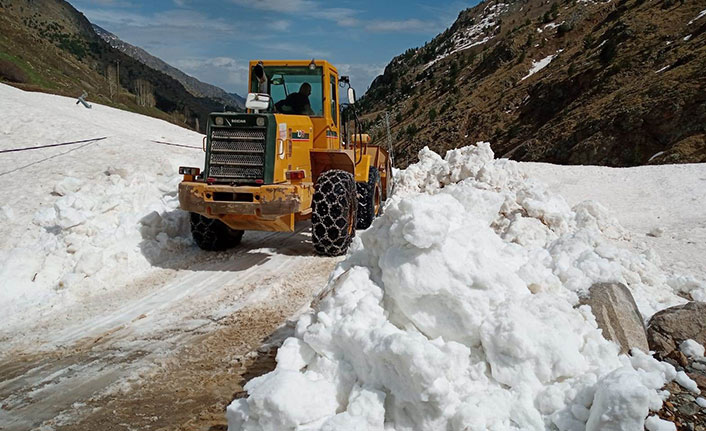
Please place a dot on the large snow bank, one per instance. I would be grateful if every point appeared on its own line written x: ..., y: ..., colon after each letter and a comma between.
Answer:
x: 458, y: 310
x: 84, y: 220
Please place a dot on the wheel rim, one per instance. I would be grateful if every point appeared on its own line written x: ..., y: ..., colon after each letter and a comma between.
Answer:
x: 376, y: 199
x: 351, y: 220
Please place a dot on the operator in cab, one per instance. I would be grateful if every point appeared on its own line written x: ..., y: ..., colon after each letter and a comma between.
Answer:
x: 297, y: 103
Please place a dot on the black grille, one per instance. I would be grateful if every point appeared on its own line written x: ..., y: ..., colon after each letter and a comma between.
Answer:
x: 237, y: 159
x: 237, y: 155
x: 237, y: 146
x: 237, y: 172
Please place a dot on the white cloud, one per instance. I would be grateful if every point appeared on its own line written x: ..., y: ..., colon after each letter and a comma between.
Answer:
x: 163, y: 21
x: 296, y: 49
x: 280, y: 25
x: 308, y: 8
x: 225, y: 72
x: 361, y: 75
x: 408, y: 25
x: 113, y: 3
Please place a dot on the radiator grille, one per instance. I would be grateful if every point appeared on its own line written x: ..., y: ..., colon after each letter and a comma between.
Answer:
x: 237, y: 159
x: 237, y: 154
x: 238, y: 146
x: 237, y: 172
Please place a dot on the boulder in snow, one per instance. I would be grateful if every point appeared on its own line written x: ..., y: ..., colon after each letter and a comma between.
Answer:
x: 668, y: 328
x: 617, y: 315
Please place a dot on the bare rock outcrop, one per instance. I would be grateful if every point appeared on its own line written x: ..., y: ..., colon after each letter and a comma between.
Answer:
x: 668, y: 328
x: 617, y: 315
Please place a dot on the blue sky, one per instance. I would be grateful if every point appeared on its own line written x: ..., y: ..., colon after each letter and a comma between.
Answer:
x: 213, y: 40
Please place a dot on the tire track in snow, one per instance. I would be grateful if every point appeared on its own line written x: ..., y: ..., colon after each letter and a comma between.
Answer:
x: 95, y: 357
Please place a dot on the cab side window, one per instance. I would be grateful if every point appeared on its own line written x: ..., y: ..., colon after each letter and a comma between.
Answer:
x: 334, y: 98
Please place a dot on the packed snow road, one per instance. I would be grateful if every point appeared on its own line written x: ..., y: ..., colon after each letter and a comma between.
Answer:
x: 103, y: 291
x: 189, y: 334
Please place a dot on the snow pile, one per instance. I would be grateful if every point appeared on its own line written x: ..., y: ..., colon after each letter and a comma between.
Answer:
x: 540, y: 64
x: 458, y: 310
x: 87, y: 219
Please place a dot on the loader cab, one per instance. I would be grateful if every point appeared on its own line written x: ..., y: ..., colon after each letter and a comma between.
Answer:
x: 283, y: 79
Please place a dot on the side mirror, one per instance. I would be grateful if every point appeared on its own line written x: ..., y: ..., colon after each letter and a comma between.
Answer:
x: 259, y: 72
x: 257, y: 101
x: 351, y: 95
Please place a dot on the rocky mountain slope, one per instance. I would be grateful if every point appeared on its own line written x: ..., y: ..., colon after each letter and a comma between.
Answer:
x: 616, y: 83
x: 47, y: 45
x: 192, y: 85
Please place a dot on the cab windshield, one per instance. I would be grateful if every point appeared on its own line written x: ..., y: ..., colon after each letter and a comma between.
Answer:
x: 288, y: 85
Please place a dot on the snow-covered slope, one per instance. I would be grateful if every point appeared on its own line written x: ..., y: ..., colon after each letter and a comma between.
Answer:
x: 458, y: 310
x: 100, y: 282
x: 72, y: 214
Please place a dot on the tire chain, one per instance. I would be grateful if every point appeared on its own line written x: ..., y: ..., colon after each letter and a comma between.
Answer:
x: 212, y: 234
x: 366, y: 200
x: 334, y: 194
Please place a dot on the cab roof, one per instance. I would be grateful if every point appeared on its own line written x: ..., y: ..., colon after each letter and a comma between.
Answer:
x: 320, y: 63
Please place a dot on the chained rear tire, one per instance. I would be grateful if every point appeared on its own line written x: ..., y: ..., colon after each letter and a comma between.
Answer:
x: 212, y: 234
x: 333, y: 212
x: 369, y: 199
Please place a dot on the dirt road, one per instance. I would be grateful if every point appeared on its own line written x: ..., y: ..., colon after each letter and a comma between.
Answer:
x: 173, y: 353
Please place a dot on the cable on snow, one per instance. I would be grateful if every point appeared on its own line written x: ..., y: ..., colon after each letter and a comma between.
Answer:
x: 176, y: 145
x: 52, y: 145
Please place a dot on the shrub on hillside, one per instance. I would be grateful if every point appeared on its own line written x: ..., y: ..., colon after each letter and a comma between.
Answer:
x: 564, y: 28
x: 11, y: 72
x: 610, y: 48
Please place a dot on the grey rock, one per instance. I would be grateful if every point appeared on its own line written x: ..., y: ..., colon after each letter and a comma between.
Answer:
x: 689, y: 409
x: 617, y: 315
x: 670, y: 327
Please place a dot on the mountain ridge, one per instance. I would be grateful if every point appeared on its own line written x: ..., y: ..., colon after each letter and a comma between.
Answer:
x: 191, y: 84
x: 49, y: 46
x: 616, y: 83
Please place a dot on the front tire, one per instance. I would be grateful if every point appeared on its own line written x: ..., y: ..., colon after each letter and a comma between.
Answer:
x: 369, y: 199
x: 333, y: 212
x: 212, y: 234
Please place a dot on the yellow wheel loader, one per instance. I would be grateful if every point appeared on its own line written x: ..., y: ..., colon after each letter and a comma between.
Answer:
x: 292, y: 156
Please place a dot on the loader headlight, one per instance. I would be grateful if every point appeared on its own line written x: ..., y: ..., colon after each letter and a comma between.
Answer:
x: 260, y: 121
x: 219, y: 121
x: 187, y: 170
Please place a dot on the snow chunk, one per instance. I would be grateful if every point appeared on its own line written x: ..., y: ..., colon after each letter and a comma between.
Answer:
x: 626, y: 395
x: 692, y: 348
x: 685, y: 382
x: 272, y: 406
x: 654, y: 423
x: 67, y: 185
